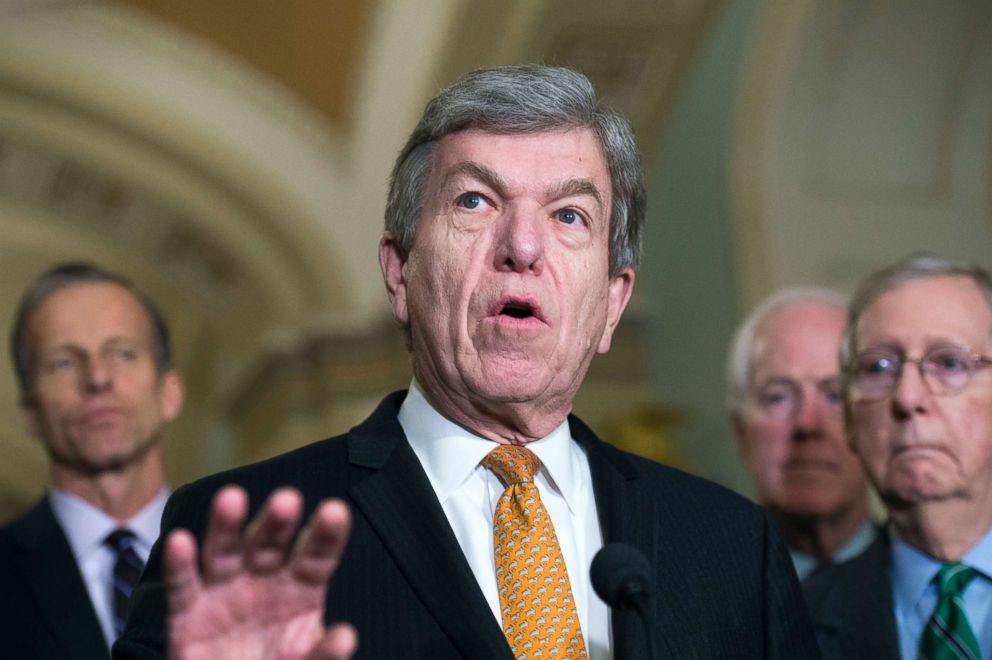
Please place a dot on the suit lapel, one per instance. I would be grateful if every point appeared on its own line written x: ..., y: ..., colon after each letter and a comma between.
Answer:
x: 46, y: 561
x: 861, y: 628
x: 624, y: 517
x: 401, y: 506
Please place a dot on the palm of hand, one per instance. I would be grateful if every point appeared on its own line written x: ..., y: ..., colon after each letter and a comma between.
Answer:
x: 272, y: 617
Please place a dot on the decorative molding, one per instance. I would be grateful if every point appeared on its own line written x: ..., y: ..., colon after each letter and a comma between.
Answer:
x: 115, y: 210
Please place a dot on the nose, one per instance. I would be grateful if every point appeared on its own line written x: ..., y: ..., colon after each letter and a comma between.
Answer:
x: 911, y: 394
x: 808, y: 417
x: 520, y: 243
x: 97, y: 375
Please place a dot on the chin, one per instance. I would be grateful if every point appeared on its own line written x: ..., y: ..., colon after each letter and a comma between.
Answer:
x: 811, y: 508
x: 512, y: 384
x: 919, y: 491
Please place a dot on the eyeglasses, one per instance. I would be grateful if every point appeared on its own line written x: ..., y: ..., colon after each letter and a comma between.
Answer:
x: 946, y: 369
x: 779, y: 399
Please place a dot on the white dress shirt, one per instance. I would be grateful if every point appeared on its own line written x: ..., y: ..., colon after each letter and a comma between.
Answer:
x: 468, y: 493
x: 86, y: 528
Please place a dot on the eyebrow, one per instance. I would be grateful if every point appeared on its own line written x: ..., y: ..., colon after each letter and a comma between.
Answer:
x: 573, y: 188
x: 110, y: 342
x: 487, y: 176
x: 475, y: 171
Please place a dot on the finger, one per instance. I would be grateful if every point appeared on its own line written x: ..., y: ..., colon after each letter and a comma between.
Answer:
x: 222, y: 544
x: 321, y: 544
x: 182, y: 581
x: 339, y: 643
x: 270, y: 532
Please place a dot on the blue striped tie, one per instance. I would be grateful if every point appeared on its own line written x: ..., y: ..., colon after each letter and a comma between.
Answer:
x: 948, y: 635
x: 127, y: 570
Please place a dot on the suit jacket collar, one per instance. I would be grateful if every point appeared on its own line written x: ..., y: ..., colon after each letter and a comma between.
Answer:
x: 626, y: 517
x: 852, y: 606
x: 44, y: 557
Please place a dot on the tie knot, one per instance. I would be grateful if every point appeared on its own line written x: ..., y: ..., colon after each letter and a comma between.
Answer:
x: 512, y: 464
x: 952, y: 578
x: 120, y: 540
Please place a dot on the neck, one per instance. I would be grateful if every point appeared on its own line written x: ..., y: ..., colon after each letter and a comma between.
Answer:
x: 120, y: 494
x: 945, y: 530
x: 822, y: 537
x: 515, y: 423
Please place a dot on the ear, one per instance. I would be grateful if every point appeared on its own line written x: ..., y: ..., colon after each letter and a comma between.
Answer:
x: 618, y: 295
x: 170, y: 395
x: 392, y: 262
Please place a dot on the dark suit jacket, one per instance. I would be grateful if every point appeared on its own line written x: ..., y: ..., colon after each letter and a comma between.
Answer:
x: 852, y: 607
x: 723, y: 585
x: 45, y: 610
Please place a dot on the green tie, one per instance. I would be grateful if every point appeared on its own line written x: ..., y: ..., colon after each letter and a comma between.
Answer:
x: 948, y: 635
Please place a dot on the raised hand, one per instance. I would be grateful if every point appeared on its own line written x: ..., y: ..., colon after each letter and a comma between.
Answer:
x: 257, y: 597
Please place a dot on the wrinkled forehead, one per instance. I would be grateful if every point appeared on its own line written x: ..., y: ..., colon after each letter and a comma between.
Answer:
x: 920, y: 312
x: 557, y: 153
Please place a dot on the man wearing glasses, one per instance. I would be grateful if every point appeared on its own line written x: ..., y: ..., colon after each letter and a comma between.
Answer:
x: 918, y: 403
x: 785, y: 407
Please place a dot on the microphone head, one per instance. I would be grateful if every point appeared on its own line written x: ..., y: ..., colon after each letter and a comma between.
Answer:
x: 620, y: 575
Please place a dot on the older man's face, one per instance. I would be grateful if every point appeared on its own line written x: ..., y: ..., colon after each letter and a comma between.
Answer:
x: 917, y: 443
x: 507, y: 289
x: 790, y: 431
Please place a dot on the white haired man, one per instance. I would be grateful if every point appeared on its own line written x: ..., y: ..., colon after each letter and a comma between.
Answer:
x: 785, y: 408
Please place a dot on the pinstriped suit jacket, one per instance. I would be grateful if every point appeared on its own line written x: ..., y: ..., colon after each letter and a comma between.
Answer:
x: 723, y: 584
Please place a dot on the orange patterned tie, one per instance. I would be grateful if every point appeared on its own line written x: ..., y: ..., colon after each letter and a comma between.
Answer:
x: 535, y: 596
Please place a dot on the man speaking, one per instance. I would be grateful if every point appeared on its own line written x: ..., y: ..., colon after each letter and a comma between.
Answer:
x: 460, y: 520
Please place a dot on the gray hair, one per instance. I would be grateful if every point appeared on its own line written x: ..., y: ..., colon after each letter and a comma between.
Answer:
x: 523, y: 99
x: 60, y: 277
x: 742, y: 344
x: 919, y: 266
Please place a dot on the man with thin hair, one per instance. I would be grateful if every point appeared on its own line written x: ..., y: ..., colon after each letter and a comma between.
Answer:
x: 918, y: 405
x: 785, y: 408
x: 91, y: 356
x: 475, y: 501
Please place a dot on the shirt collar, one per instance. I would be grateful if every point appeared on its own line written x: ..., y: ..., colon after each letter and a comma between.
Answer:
x: 450, y: 453
x: 86, y: 527
x: 858, y: 543
x: 913, y: 570
x: 980, y: 555
x: 804, y: 563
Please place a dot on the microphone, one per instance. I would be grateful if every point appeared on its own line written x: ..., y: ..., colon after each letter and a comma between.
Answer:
x: 620, y: 577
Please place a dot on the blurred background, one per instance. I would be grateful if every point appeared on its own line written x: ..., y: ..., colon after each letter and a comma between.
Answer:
x: 232, y: 157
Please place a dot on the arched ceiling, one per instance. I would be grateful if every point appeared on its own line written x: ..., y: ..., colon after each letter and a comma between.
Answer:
x: 314, y: 49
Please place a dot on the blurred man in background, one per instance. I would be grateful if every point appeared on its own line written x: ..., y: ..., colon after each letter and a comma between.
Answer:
x: 785, y: 407
x: 91, y: 355
x: 918, y: 400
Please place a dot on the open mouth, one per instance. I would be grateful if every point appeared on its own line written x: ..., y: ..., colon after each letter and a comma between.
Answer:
x: 521, y: 309
x: 517, y: 310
